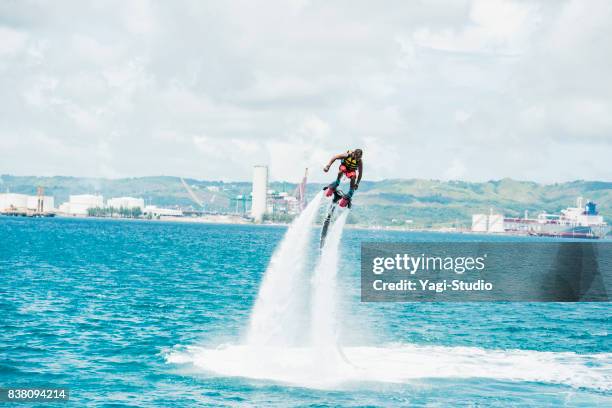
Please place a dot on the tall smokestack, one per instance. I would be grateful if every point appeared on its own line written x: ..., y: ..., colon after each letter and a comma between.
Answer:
x: 260, y: 192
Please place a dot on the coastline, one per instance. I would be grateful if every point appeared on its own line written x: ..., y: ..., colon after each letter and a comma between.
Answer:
x: 233, y: 220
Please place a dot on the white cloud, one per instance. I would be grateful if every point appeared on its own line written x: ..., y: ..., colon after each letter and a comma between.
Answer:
x: 497, y: 26
x: 207, y: 89
x: 305, y: 145
x: 89, y: 48
x: 462, y: 116
x: 11, y: 41
x: 37, y: 93
x: 138, y: 16
x: 456, y: 170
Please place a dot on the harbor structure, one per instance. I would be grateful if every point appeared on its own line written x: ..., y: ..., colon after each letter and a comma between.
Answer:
x: 241, y: 204
x: 259, y: 194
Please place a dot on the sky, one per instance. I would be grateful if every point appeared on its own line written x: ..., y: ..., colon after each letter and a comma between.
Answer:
x: 471, y: 90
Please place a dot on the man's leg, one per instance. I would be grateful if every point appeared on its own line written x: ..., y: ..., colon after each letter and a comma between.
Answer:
x: 336, y: 183
x: 352, y: 190
x: 329, y: 190
x: 346, y: 200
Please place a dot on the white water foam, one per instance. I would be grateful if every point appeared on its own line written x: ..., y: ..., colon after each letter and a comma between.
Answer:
x: 271, y: 354
x: 274, y: 319
x: 399, y: 363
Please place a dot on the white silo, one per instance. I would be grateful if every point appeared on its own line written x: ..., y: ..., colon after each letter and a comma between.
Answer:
x: 13, y: 202
x: 260, y: 192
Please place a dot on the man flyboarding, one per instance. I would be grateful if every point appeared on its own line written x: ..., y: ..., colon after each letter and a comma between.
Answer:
x: 351, y: 166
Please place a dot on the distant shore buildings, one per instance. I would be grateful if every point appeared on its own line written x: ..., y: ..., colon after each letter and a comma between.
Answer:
x: 259, y: 205
x: 82, y: 205
x: 91, y: 204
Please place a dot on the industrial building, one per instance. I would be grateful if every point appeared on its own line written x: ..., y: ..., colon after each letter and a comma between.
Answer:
x: 264, y: 201
x: 23, y: 203
x: 259, y: 205
x: 78, y: 204
x: 282, y: 203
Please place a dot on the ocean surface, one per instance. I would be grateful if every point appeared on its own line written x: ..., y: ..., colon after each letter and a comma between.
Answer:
x: 146, y: 313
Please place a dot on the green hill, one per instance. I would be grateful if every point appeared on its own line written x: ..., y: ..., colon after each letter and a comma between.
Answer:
x: 433, y: 203
x: 428, y: 203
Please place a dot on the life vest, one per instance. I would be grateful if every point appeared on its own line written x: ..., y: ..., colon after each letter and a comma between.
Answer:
x: 350, y: 162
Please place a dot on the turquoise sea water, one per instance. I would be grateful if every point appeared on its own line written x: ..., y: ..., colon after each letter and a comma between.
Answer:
x: 98, y: 306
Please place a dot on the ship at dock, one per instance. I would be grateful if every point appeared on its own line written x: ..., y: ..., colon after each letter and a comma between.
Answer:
x: 582, y: 221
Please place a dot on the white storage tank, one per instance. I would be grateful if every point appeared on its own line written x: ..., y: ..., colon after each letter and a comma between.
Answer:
x: 479, y: 223
x: 78, y: 204
x: 48, y: 203
x: 496, y: 223
x: 12, y: 201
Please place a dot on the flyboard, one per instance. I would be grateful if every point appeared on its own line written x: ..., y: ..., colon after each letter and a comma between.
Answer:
x: 339, y: 200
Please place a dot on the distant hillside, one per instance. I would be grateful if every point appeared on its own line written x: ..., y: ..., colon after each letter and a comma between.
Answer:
x: 428, y: 203
x: 157, y: 190
x: 439, y: 203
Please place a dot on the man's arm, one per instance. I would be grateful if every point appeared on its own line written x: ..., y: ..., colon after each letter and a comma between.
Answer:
x: 333, y: 159
x: 360, y: 169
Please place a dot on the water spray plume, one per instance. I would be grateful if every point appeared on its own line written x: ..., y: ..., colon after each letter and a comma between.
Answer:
x: 285, y: 347
x: 273, y: 319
